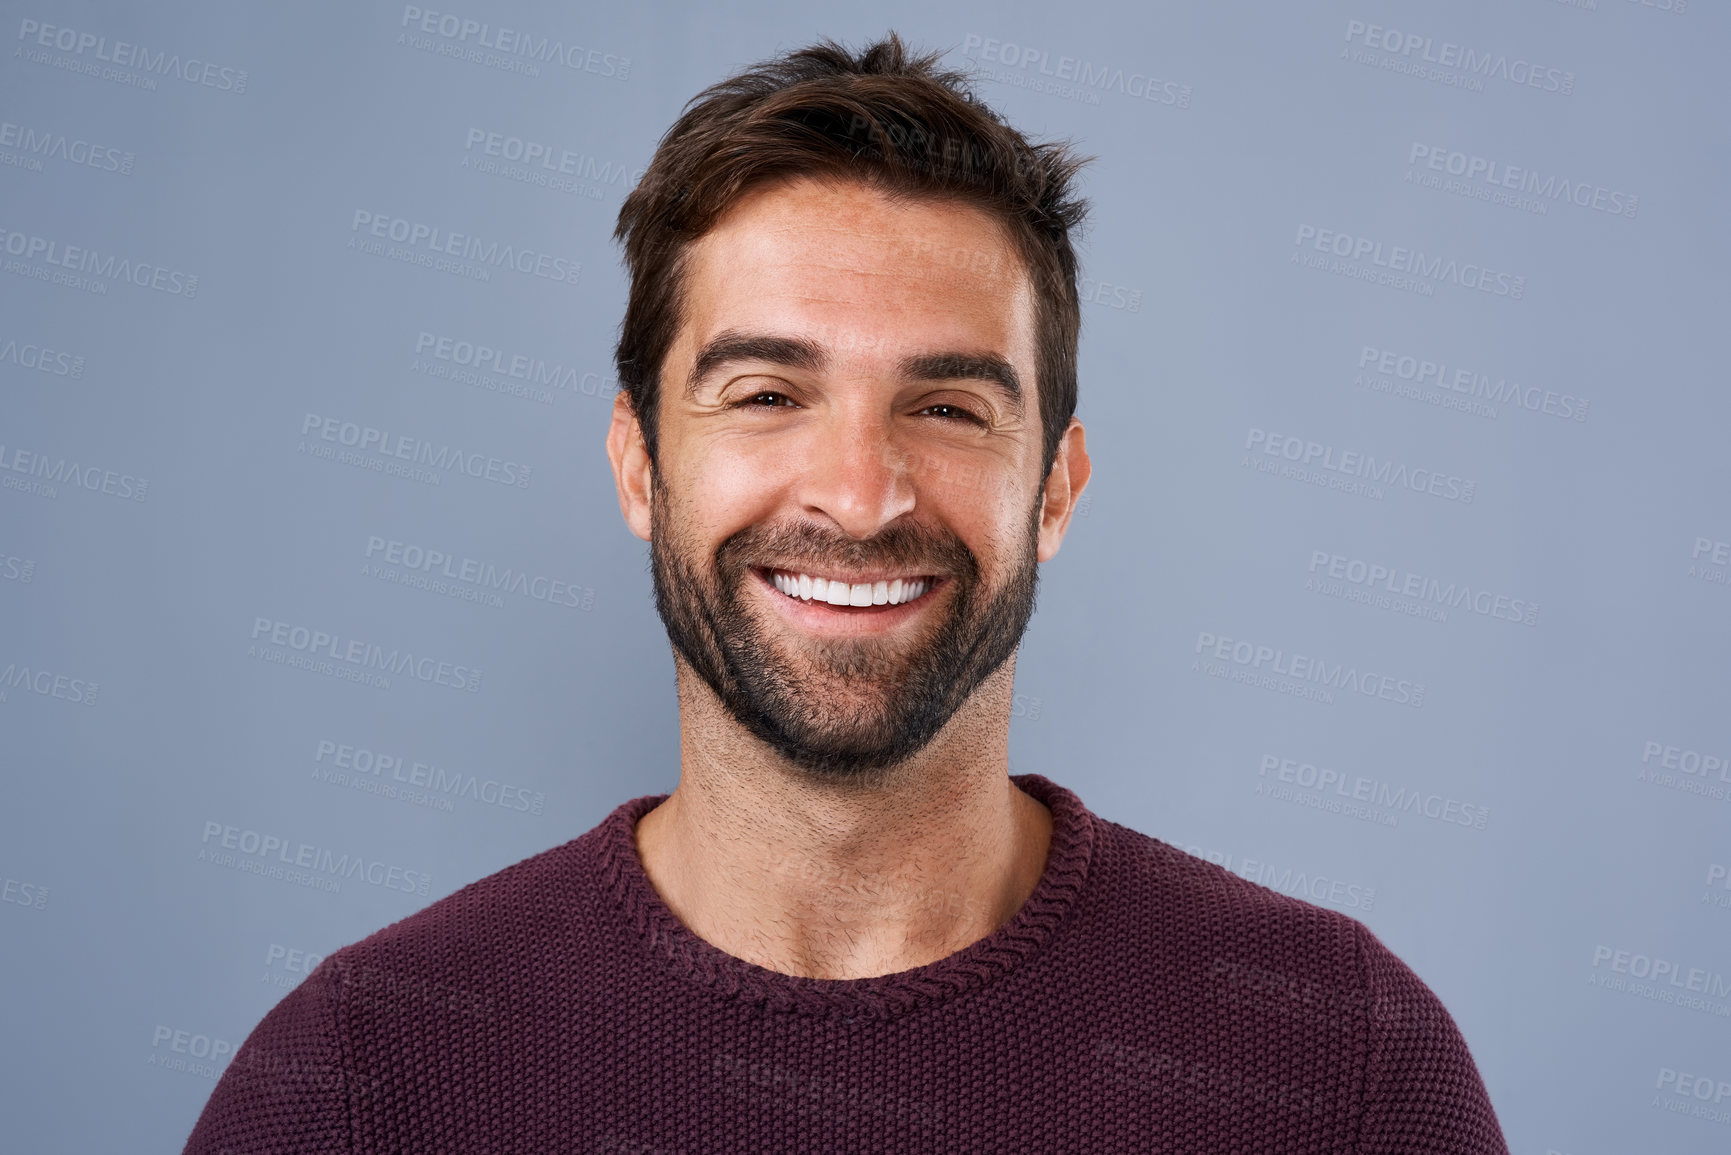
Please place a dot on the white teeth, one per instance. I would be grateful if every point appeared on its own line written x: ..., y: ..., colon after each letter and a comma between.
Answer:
x: 839, y: 593
x: 905, y: 590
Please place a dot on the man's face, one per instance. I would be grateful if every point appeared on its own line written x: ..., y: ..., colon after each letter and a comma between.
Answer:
x: 847, y: 515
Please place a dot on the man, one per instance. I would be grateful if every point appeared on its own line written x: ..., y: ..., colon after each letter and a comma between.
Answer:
x: 847, y: 432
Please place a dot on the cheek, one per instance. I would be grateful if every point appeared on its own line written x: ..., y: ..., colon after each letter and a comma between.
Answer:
x: 994, y: 524
x: 720, y: 493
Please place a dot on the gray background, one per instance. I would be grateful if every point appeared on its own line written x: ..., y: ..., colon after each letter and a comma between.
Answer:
x: 138, y: 949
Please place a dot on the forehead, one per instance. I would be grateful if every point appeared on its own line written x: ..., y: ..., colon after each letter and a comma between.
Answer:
x: 860, y: 269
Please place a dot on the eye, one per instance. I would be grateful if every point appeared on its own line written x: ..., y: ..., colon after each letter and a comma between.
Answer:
x: 953, y: 413
x: 763, y: 399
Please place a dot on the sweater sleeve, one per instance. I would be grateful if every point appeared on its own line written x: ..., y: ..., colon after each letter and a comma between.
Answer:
x: 1423, y: 1093
x: 286, y: 1089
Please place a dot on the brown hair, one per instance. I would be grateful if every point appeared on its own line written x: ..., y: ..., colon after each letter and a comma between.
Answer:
x: 884, y: 116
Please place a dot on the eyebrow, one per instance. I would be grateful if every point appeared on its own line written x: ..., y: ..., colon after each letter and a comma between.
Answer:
x: 797, y: 353
x: 727, y: 347
x: 987, y: 367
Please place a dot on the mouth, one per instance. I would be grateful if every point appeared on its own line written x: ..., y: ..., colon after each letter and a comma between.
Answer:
x: 863, y: 592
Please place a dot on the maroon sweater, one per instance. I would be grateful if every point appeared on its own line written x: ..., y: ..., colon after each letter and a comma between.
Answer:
x: 1141, y: 1000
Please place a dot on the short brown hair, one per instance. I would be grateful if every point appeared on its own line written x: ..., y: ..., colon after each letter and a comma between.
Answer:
x: 883, y: 116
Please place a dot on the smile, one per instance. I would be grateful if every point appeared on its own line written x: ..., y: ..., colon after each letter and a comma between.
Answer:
x: 842, y: 592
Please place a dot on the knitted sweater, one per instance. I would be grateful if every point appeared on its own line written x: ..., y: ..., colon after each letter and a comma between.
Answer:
x: 1141, y: 1000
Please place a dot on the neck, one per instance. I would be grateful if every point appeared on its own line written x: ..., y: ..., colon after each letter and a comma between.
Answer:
x: 844, y: 880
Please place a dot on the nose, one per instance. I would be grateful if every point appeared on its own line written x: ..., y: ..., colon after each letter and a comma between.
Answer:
x: 854, y: 474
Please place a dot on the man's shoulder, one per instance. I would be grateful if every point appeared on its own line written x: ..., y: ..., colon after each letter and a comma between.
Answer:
x: 1192, y: 933
x: 1258, y: 943
x: 1191, y: 904
x: 498, y: 925
x: 1257, y: 979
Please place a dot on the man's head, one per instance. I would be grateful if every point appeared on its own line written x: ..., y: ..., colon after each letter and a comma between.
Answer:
x: 849, y: 353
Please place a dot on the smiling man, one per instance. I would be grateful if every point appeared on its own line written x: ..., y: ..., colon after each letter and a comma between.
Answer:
x: 847, y: 433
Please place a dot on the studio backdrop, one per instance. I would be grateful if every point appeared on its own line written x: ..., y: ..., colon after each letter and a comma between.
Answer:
x: 1403, y: 585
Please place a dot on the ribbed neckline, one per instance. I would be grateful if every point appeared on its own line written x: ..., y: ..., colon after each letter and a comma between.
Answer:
x: 688, y: 957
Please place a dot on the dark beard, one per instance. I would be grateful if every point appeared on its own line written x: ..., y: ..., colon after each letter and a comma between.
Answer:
x: 895, y: 699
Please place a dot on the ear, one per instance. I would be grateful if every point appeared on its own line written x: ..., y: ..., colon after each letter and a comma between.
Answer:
x: 1064, y: 486
x: 632, y: 471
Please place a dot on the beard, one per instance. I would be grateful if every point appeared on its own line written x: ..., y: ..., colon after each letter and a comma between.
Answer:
x: 841, y: 709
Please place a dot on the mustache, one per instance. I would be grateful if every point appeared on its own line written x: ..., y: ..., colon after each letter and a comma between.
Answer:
x: 902, y: 546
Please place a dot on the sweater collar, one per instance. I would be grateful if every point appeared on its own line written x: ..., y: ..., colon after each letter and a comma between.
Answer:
x: 687, y: 957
